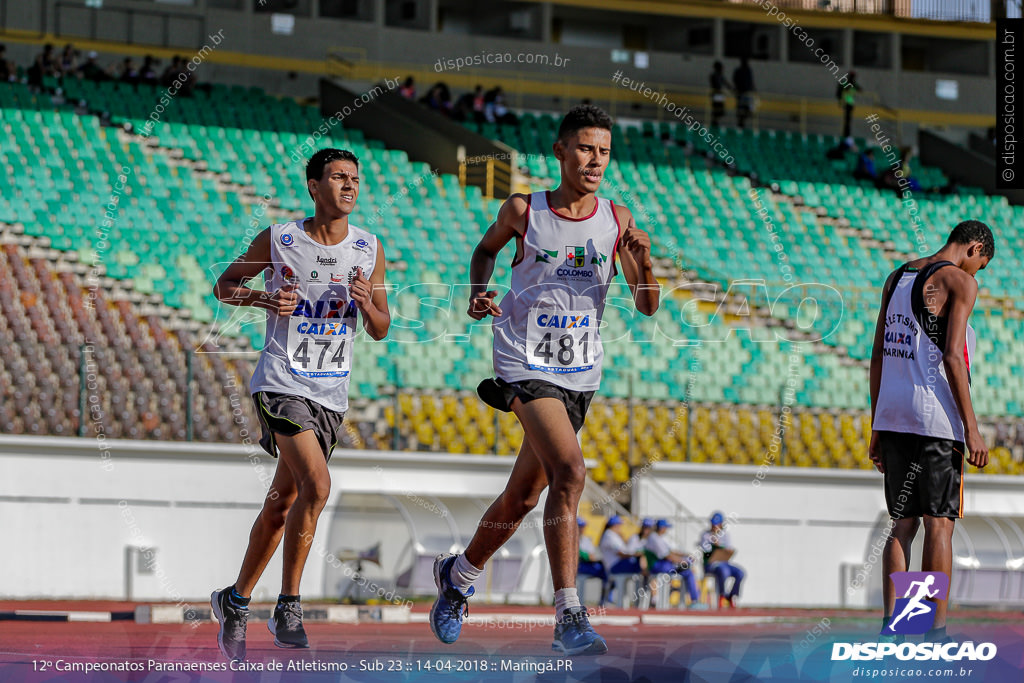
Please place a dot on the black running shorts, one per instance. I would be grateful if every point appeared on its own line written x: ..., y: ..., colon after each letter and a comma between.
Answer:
x: 288, y: 415
x: 923, y: 475
x: 499, y: 394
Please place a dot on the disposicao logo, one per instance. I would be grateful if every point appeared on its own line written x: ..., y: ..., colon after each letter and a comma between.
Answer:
x: 914, y: 613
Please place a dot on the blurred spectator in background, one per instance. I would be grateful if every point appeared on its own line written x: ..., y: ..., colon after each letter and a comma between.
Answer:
x: 408, y: 88
x: 615, y: 552
x: 495, y: 110
x: 865, y: 168
x: 90, y: 70
x: 128, y: 74
x: 173, y: 70
x: 718, y: 552
x: 906, y: 154
x: 438, y: 98
x: 847, y: 96
x: 68, y: 60
x: 668, y: 561
x: 718, y: 86
x: 743, y: 83
x: 45, y: 65
x: 148, y: 73
x: 470, y: 107
x: 590, y: 558
x: 8, y: 71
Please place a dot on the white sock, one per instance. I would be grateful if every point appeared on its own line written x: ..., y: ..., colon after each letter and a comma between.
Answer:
x: 463, y: 574
x: 565, y: 598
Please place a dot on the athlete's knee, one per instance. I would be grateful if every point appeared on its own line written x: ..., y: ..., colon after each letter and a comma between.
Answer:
x: 275, y: 511
x: 938, y: 525
x: 315, y: 491
x: 569, y: 475
x: 738, y: 574
x: 518, y: 505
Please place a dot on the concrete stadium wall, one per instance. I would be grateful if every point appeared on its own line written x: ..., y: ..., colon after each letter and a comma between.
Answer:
x: 69, y: 510
x: 67, y: 515
x: 799, y: 529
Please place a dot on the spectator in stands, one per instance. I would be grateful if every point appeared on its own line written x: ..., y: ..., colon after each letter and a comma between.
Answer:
x: 90, y: 70
x: 45, y: 65
x: 68, y: 60
x: 8, y: 71
x: 718, y: 552
x: 408, y: 88
x: 173, y: 70
x: 905, y: 156
x: 718, y: 86
x: 128, y: 74
x: 148, y: 72
x: 470, y: 107
x: 495, y: 110
x: 590, y: 563
x: 615, y: 553
x: 846, y: 94
x: 438, y: 98
x: 743, y: 84
x: 668, y: 561
x: 865, y: 168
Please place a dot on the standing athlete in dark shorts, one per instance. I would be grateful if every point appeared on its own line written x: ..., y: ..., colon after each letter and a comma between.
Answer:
x: 921, y: 412
x: 321, y: 273
x: 547, y: 357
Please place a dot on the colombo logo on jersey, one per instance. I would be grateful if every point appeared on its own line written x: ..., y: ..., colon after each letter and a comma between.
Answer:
x: 288, y: 274
x: 914, y: 614
x: 575, y: 257
x: 287, y: 240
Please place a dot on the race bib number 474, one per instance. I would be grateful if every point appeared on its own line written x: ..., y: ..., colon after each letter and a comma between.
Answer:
x: 319, y: 347
x: 561, y: 341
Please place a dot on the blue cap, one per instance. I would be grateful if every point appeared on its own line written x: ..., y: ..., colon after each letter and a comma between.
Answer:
x: 580, y: 522
x: 663, y: 524
x: 717, y: 518
x: 647, y: 523
x: 614, y: 519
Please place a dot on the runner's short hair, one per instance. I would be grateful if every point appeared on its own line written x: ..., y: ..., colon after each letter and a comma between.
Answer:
x: 974, y: 231
x: 317, y: 162
x: 583, y: 116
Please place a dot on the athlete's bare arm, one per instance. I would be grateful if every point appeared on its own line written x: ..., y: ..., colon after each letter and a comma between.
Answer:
x: 231, y: 285
x: 510, y: 224
x: 635, y: 257
x: 876, y: 367
x: 961, y: 293
x: 371, y: 297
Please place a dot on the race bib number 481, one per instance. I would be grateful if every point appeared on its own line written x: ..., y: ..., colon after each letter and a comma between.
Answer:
x: 561, y: 341
x: 319, y: 347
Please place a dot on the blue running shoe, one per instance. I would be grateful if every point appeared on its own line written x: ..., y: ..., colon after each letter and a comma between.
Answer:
x: 575, y: 636
x: 451, y: 605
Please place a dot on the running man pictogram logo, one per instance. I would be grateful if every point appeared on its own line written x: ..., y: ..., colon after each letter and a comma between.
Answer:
x: 915, y: 612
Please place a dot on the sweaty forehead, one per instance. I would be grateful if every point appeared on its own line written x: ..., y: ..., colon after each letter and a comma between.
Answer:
x: 597, y: 137
x: 341, y: 166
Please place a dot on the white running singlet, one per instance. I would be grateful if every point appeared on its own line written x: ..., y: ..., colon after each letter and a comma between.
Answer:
x: 549, y: 327
x: 309, y: 353
x: 915, y: 396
